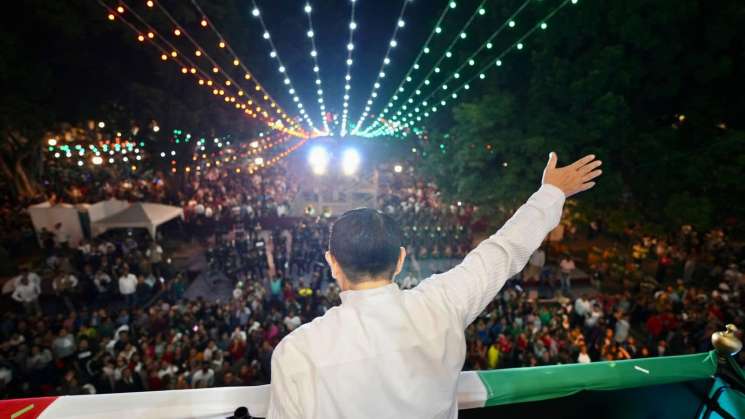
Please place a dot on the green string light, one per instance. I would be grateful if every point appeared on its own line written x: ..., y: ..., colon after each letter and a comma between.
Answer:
x: 470, y: 62
x: 406, y: 120
x: 415, y: 66
x: 447, y: 54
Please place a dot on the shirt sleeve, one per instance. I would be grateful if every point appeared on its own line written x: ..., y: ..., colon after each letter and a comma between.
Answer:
x: 284, y: 393
x: 17, y: 295
x: 469, y: 287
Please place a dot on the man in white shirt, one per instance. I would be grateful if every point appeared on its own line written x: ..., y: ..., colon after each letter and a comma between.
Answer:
x: 27, y: 293
x: 566, y: 267
x: 292, y: 321
x: 127, y: 286
x: 387, y: 353
x: 535, y: 265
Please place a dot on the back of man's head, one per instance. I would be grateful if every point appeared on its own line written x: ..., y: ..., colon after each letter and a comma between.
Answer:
x: 366, y: 243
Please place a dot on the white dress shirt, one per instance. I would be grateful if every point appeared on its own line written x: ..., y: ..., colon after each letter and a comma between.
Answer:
x: 388, y: 353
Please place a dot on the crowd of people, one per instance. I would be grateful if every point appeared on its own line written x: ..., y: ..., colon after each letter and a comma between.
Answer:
x: 109, y: 314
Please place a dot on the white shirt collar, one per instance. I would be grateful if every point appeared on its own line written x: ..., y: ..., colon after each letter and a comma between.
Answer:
x: 352, y: 296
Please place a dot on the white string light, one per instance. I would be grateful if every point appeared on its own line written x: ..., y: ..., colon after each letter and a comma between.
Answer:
x: 386, y: 60
x: 308, y: 9
x: 348, y: 77
x: 240, y: 63
x: 281, y: 68
x: 470, y: 61
x: 461, y: 34
x: 415, y: 66
x: 429, y: 106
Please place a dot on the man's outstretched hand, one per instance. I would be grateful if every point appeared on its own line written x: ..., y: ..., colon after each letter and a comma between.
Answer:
x: 576, y: 177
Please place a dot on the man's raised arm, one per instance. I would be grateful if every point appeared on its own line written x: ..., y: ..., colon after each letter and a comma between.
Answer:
x: 471, y: 285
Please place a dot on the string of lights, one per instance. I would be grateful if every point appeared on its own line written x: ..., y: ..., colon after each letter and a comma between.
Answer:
x: 386, y: 60
x: 281, y: 67
x: 187, y: 66
x: 428, y: 107
x: 460, y: 35
x: 258, y: 145
x: 223, y: 44
x: 285, y: 153
x: 470, y: 61
x: 348, y: 76
x: 217, y: 69
x: 316, y: 69
x: 415, y: 66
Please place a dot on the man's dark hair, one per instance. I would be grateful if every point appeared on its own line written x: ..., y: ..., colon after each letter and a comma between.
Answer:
x: 366, y: 243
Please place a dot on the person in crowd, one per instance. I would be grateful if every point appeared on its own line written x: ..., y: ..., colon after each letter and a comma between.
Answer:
x: 701, y: 289
x: 127, y: 286
x: 27, y: 294
x: 566, y: 268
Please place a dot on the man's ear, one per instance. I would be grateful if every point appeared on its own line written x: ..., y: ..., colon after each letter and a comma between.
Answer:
x: 335, y: 270
x: 400, y: 262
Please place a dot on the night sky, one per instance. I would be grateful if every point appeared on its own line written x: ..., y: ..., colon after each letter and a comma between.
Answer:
x: 82, y: 60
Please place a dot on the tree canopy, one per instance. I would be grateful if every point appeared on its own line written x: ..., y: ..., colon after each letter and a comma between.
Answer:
x: 653, y: 88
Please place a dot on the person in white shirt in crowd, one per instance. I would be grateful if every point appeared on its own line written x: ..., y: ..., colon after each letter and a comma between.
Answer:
x: 566, y: 269
x: 65, y: 285
x: 23, y: 271
x: 385, y: 352
x: 582, y: 307
x: 583, y: 357
x: 64, y: 344
x: 292, y: 321
x: 203, y: 377
x: 155, y: 254
x: 622, y: 328
x: 594, y: 316
x: 127, y: 286
x: 102, y: 282
x: 535, y: 265
x: 27, y: 293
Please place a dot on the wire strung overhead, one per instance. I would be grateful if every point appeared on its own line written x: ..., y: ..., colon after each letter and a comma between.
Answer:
x: 348, y: 76
x: 386, y: 60
x: 460, y: 35
x: 430, y: 105
x: 170, y: 52
x: 256, y: 12
x: 223, y: 44
x: 415, y: 66
x: 468, y: 62
x: 316, y: 69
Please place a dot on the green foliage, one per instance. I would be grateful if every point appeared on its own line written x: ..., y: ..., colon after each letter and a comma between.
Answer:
x: 654, y: 89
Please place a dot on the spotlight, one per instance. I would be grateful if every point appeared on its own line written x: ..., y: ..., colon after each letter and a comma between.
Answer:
x: 350, y: 161
x: 319, y: 160
x: 398, y: 168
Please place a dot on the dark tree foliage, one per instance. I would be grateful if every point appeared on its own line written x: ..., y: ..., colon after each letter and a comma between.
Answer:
x: 653, y: 88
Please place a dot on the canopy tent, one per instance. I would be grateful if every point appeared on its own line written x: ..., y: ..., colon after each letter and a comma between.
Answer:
x: 139, y: 215
x: 61, y: 219
x: 103, y: 209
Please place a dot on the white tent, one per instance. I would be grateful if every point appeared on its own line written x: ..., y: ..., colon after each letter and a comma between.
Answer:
x: 103, y: 209
x: 47, y: 216
x: 139, y: 215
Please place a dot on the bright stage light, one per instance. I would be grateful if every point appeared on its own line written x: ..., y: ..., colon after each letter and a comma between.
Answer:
x: 350, y: 161
x: 97, y: 160
x: 319, y: 160
x: 398, y: 168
